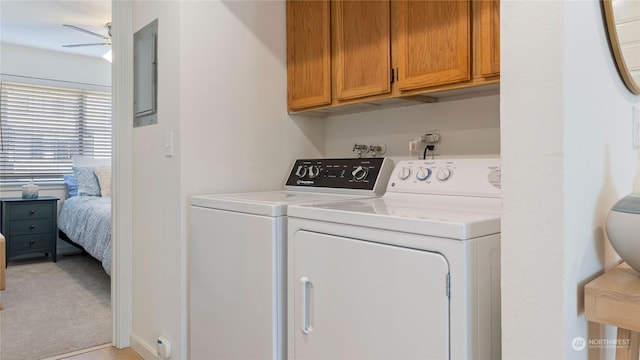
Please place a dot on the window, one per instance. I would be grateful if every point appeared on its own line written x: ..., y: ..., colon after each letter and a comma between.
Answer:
x: 41, y: 127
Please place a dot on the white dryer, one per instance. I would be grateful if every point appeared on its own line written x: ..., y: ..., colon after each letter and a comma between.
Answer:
x: 414, y: 274
x: 237, y: 256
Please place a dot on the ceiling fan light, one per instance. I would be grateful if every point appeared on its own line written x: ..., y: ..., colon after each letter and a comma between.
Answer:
x: 107, y: 56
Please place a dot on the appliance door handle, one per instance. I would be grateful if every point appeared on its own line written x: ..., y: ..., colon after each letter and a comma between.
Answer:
x: 306, y: 305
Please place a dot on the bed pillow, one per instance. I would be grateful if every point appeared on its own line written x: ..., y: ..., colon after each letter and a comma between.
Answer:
x: 72, y: 184
x: 104, y: 180
x: 87, y: 181
x: 84, y: 161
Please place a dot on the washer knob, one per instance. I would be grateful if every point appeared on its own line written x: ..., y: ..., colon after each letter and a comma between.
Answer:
x: 423, y: 173
x: 404, y: 173
x: 313, y: 171
x: 301, y: 172
x: 444, y: 174
x: 360, y: 173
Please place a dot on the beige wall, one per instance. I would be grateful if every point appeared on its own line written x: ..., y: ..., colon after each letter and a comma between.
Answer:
x: 467, y: 128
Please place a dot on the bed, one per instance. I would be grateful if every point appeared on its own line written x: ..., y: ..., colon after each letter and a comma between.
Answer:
x: 85, y: 215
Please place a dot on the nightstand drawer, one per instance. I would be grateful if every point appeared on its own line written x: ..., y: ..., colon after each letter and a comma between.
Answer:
x: 33, y: 226
x: 32, y: 210
x: 28, y: 243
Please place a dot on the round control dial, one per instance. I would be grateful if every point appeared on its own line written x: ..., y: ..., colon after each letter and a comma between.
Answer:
x: 423, y: 173
x: 360, y: 173
x: 301, y: 171
x: 314, y: 171
x: 404, y: 173
x: 444, y: 174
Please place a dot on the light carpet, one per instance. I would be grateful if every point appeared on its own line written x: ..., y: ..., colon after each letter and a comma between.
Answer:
x: 54, y: 308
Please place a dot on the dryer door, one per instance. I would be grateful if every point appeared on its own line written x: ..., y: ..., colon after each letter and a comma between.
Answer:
x: 361, y: 300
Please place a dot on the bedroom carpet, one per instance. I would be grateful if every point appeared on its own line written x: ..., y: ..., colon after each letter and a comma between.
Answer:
x: 54, y: 308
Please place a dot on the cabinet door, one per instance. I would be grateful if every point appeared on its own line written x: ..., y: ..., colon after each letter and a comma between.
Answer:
x: 361, y: 300
x: 433, y: 42
x: 308, y: 54
x: 362, y: 54
x: 489, y: 37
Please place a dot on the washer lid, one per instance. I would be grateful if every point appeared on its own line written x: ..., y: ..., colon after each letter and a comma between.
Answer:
x: 267, y: 203
x: 453, y: 217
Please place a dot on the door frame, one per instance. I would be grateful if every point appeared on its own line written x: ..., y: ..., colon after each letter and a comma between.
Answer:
x: 122, y: 120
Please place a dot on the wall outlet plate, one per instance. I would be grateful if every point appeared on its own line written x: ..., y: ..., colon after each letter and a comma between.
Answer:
x: 432, y: 138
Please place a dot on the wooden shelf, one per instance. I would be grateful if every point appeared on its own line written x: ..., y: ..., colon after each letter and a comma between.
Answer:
x: 614, y: 299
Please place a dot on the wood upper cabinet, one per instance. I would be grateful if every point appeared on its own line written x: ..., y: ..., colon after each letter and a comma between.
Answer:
x: 308, y: 54
x: 361, y: 34
x: 344, y: 52
x: 488, y: 28
x: 433, y: 43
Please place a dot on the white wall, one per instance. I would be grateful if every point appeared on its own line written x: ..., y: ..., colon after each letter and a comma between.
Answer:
x: 567, y: 157
x: 31, y: 65
x: 565, y: 144
x: 45, y: 64
x: 222, y: 93
x: 233, y: 99
x: 468, y: 127
x: 156, y: 204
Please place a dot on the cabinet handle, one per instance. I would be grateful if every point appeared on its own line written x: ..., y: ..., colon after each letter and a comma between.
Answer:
x: 32, y: 226
x: 32, y: 212
x: 31, y: 242
x: 306, y: 305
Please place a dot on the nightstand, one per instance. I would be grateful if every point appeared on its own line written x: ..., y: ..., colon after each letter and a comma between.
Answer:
x: 29, y: 226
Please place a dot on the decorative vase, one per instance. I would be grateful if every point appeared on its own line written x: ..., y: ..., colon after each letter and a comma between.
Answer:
x: 30, y: 190
x: 623, y: 229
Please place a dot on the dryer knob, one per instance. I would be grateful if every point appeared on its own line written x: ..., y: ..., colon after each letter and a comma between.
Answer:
x: 404, y: 173
x: 423, y: 173
x: 360, y: 173
x: 314, y: 171
x: 301, y: 172
x: 444, y: 174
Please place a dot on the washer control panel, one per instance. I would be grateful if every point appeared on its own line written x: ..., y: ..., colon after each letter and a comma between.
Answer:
x: 471, y: 177
x: 360, y: 175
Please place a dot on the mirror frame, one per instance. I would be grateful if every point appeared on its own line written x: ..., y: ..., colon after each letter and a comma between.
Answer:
x: 614, y: 44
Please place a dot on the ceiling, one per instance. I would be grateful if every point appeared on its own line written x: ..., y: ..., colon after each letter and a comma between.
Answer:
x: 39, y: 24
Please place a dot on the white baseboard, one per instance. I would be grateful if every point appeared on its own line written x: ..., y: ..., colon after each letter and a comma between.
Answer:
x: 144, y: 349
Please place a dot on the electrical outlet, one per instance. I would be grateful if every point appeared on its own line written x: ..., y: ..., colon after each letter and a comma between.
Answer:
x: 635, y: 127
x: 163, y: 347
x: 432, y: 138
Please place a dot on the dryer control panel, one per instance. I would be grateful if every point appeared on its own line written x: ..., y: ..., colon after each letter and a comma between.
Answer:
x: 464, y: 177
x: 357, y: 176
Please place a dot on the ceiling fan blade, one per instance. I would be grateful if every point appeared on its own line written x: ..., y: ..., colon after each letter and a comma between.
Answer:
x: 94, y: 44
x: 87, y: 31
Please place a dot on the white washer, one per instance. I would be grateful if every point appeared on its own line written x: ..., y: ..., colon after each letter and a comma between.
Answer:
x: 237, y: 249
x: 414, y: 274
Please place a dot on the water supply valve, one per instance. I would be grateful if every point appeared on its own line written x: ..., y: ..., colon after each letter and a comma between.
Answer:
x: 375, y: 150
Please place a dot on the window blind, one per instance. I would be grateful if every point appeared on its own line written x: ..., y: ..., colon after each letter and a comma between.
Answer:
x: 41, y: 127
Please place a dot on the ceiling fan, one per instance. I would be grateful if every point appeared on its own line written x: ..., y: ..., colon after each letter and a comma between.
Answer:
x: 106, y: 40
